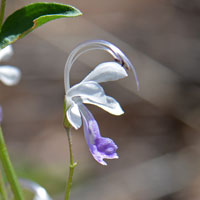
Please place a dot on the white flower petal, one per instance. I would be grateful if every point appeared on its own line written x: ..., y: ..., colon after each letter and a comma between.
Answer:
x: 74, y: 116
x: 6, y: 53
x: 92, y: 93
x: 111, y: 105
x: 107, y: 71
x: 89, y: 89
x: 9, y: 75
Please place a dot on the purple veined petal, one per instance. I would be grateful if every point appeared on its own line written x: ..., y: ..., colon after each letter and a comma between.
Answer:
x: 6, y: 53
x: 107, y: 71
x: 100, y: 147
x: 1, y: 115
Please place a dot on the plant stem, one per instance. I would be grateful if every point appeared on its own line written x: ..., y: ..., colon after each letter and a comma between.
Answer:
x: 9, y: 170
x: 2, y: 11
x: 71, y: 166
x: 3, y: 192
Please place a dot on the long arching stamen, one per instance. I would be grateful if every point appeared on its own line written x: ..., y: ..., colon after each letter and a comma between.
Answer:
x: 117, y: 54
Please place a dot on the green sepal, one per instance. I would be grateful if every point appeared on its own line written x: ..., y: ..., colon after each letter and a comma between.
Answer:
x: 28, y: 18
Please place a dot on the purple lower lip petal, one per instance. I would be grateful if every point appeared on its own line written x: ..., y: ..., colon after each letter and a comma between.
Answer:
x: 100, y: 147
x: 105, y: 145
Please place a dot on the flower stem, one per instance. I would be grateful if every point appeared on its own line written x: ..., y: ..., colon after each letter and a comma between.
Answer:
x: 71, y: 166
x: 3, y: 193
x: 2, y: 11
x: 9, y: 170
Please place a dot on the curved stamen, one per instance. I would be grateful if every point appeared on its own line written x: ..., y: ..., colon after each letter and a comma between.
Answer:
x: 117, y: 54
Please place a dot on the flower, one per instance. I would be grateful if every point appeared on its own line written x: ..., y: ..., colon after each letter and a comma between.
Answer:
x: 1, y: 114
x: 89, y: 91
x: 39, y: 192
x: 9, y: 75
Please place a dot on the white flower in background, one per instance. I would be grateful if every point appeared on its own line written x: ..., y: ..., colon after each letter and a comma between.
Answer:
x: 6, y: 53
x: 9, y: 75
x: 39, y: 192
x: 89, y: 91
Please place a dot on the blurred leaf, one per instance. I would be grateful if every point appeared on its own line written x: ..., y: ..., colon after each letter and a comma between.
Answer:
x: 28, y: 18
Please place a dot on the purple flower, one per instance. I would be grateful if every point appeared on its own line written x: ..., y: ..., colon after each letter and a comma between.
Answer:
x: 89, y: 91
x: 1, y: 114
x: 100, y: 147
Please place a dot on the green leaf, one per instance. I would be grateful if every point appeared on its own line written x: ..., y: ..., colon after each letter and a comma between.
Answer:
x: 28, y: 18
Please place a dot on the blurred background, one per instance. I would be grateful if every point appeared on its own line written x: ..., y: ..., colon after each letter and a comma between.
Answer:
x: 158, y: 136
